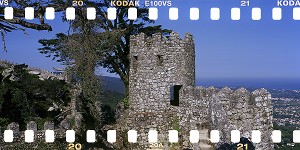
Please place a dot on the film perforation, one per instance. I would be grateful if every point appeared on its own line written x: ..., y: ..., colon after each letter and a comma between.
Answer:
x: 91, y: 136
x: 276, y: 13
x: 215, y: 13
x: 29, y: 13
x: 50, y: 13
x: 153, y: 13
x: 296, y: 13
x: 296, y: 136
x: 276, y: 136
x: 173, y: 13
x: 132, y: 136
x: 29, y: 136
x: 214, y: 136
x: 70, y: 13
x: 173, y: 136
x: 111, y: 136
x: 256, y: 13
x: 132, y: 13
x: 152, y: 136
x: 49, y: 136
x: 235, y: 13
x: 256, y: 136
x: 194, y: 13
x: 235, y: 136
x: 8, y: 13
x: 91, y: 13
x: 70, y: 136
x: 194, y: 136
x: 111, y: 13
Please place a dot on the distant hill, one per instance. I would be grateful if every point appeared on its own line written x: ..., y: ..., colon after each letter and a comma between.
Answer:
x: 113, y: 93
x: 112, y: 84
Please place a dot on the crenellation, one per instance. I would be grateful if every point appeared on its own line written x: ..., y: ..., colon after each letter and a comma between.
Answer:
x: 49, y: 125
x: 32, y: 126
x: 175, y: 38
x: 39, y: 135
x: 162, y: 95
x: 188, y: 37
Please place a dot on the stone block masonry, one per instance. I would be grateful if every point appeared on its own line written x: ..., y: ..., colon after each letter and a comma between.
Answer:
x: 163, y: 96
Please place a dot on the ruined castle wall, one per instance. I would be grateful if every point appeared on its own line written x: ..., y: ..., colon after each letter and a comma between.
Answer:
x: 189, y: 47
x: 39, y: 136
x: 206, y: 109
x: 156, y: 64
x: 42, y: 73
x: 243, y: 111
x: 263, y: 117
x: 193, y: 110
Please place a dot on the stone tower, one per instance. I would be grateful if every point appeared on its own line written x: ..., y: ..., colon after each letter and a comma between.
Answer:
x: 157, y: 64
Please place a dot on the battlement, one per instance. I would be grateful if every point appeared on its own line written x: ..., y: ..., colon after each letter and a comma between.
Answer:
x: 39, y: 135
x: 227, y: 95
x: 160, y: 44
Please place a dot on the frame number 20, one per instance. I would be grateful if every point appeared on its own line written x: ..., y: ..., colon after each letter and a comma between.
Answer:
x: 74, y: 146
x: 77, y: 3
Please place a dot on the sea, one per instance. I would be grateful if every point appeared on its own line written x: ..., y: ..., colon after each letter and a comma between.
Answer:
x: 288, y: 84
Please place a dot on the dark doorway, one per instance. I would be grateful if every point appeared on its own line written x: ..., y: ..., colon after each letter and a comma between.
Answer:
x: 174, y: 93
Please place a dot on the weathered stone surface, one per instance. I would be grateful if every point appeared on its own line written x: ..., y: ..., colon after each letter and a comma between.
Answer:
x: 31, y: 126
x: 39, y: 136
x: 48, y: 125
x: 158, y: 63
x: 65, y: 124
x: 43, y: 74
x: 13, y: 126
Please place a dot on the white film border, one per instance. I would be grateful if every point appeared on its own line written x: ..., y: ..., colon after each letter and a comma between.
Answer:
x: 215, y: 13
x: 173, y: 136
x: 194, y: 137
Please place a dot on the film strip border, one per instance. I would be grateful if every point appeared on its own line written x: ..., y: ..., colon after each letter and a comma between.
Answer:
x: 153, y: 13
x: 194, y: 136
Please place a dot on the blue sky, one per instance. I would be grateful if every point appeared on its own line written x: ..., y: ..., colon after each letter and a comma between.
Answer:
x: 225, y: 48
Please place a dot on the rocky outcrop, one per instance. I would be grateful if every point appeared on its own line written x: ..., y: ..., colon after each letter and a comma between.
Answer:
x: 43, y: 74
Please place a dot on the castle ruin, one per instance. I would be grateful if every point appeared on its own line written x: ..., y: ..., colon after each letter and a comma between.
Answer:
x: 163, y: 96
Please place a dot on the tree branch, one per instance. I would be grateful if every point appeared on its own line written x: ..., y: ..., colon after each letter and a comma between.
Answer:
x: 29, y: 25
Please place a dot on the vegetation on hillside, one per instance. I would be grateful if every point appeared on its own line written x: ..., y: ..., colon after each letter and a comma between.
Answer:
x: 24, y: 97
x: 286, y: 138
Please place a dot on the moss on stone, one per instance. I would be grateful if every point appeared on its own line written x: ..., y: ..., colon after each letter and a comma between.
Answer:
x: 175, y: 123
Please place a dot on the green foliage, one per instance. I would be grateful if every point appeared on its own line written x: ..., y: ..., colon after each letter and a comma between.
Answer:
x: 40, y: 122
x: 287, y: 137
x: 3, y: 122
x: 100, y: 42
x: 28, y: 98
x: 126, y: 102
x: 111, y: 53
x: 175, y: 123
x: 72, y: 122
